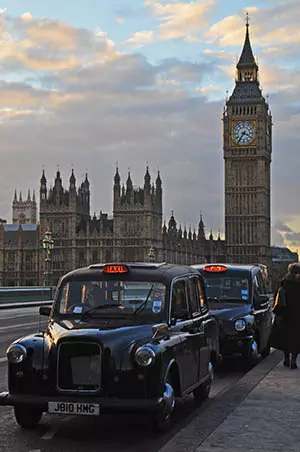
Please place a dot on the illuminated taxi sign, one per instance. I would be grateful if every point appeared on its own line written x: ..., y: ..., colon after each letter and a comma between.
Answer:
x: 215, y: 268
x: 112, y: 269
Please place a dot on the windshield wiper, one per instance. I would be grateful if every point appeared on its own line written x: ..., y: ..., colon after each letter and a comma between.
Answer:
x: 99, y: 308
x: 144, y: 304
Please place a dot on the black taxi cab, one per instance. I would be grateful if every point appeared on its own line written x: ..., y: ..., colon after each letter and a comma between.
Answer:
x: 237, y: 298
x: 119, y: 337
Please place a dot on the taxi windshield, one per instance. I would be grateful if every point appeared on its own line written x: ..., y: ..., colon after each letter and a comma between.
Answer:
x: 112, y: 298
x: 226, y: 288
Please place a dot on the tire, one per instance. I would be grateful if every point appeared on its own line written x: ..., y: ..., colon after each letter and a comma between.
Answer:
x: 162, y: 419
x: 201, y: 393
x: 250, y: 358
x: 27, y: 416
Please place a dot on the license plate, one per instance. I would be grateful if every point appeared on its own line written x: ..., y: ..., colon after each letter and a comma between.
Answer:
x: 87, y: 409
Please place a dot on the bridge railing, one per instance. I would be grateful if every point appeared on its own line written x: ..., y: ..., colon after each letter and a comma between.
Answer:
x: 25, y: 296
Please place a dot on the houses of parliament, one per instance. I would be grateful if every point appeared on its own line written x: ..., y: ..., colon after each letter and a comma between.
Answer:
x: 136, y: 227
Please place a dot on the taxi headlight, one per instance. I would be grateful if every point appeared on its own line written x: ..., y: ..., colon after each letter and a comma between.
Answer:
x: 16, y: 353
x: 240, y: 325
x: 144, y: 356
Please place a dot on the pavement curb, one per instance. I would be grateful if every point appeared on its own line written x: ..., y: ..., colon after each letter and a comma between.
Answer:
x: 25, y: 304
x: 207, y: 421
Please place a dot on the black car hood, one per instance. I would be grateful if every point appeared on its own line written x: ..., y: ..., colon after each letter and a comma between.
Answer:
x: 113, y: 335
x: 228, y: 311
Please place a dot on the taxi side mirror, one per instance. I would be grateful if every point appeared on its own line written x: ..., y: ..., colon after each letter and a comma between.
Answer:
x: 160, y: 330
x: 260, y: 301
x: 45, y: 310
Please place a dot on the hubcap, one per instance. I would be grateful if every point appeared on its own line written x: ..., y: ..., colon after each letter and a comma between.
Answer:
x: 169, y: 399
x: 254, y: 349
x: 211, y: 371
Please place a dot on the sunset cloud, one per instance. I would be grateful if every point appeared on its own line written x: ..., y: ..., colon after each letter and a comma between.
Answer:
x: 140, y: 38
x: 180, y: 19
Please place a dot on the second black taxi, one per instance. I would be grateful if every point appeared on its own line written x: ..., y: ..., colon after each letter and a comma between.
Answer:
x: 237, y: 298
x: 119, y: 337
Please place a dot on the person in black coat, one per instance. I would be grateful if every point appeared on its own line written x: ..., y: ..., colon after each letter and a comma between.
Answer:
x: 285, y: 333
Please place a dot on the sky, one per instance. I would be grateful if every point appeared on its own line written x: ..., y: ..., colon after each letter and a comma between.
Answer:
x: 93, y: 84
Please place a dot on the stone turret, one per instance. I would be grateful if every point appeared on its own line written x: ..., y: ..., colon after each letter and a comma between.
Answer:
x: 24, y: 212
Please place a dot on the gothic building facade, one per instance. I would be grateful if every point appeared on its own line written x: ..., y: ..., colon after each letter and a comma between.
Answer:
x: 134, y: 230
x: 24, y: 212
x: 247, y: 144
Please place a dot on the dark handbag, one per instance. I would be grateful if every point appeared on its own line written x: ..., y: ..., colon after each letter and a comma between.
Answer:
x: 277, y: 336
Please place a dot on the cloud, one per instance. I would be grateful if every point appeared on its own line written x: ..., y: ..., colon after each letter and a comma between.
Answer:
x: 293, y: 237
x: 208, y: 89
x: 180, y: 19
x: 26, y: 16
x: 279, y: 226
x: 140, y: 39
x: 277, y: 239
x: 43, y: 44
x: 187, y: 71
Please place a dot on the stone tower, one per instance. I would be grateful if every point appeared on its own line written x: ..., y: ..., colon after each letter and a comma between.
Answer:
x: 24, y: 212
x: 64, y: 212
x: 247, y: 145
x: 137, y: 216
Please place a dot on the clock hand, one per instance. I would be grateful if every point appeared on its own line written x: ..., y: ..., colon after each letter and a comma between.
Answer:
x: 242, y: 136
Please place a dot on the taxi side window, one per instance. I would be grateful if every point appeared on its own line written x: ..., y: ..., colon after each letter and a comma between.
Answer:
x: 261, y: 285
x: 258, y: 285
x: 194, y: 299
x: 201, y: 296
x: 179, y: 309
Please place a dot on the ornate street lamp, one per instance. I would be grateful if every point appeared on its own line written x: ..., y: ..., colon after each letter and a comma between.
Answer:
x: 48, y: 246
x: 151, y: 254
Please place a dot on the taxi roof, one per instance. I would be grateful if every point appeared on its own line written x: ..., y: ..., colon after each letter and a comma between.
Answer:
x: 139, y: 271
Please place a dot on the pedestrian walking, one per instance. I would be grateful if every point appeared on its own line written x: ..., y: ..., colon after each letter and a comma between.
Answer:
x: 285, y: 334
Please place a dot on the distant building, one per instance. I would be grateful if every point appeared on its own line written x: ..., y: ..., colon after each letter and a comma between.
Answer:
x: 135, y: 228
x: 20, y: 254
x: 281, y: 258
x: 24, y: 212
x: 133, y: 233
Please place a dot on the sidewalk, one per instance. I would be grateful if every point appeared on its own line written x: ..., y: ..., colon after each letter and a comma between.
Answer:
x: 266, y: 419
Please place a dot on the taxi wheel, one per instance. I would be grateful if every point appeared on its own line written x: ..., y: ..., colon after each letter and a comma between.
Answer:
x: 163, y: 417
x: 27, y: 417
x: 251, y: 357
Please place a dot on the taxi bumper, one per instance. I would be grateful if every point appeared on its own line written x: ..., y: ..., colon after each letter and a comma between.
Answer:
x: 235, y: 345
x: 106, y: 404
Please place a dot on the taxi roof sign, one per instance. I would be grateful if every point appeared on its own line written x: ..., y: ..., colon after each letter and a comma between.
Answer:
x: 215, y: 268
x: 113, y: 269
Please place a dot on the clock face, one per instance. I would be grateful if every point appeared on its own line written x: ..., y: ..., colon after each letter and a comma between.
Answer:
x: 243, y: 133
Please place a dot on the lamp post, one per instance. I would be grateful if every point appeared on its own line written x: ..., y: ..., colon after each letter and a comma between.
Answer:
x: 48, y: 245
x: 151, y: 254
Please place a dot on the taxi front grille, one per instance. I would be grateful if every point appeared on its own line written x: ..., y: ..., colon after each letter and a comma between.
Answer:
x: 79, y: 367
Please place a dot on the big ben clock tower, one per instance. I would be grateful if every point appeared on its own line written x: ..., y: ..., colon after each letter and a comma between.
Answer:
x: 247, y: 145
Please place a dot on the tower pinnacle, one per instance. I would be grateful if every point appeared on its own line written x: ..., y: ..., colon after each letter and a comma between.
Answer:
x: 247, y: 60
